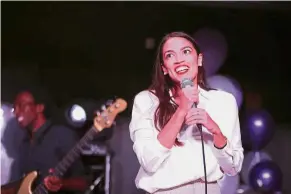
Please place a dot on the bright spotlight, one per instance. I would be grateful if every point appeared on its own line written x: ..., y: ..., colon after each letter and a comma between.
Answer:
x: 1, y: 118
x: 81, y: 112
x: 77, y: 113
x: 6, y: 114
x: 6, y: 160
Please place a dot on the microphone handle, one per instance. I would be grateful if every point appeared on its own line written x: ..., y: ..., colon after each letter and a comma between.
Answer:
x: 199, y: 126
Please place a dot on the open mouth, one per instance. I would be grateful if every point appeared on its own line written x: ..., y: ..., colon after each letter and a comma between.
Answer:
x: 181, y: 69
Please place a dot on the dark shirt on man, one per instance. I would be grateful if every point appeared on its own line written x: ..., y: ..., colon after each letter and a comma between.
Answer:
x: 49, y: 145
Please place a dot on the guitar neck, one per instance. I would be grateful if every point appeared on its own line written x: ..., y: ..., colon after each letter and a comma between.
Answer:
x: 101, y: 121
x: 62, y: 167
x: 74, y: 153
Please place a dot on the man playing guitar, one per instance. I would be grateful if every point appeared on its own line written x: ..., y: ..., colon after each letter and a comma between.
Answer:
x: 44, y: 145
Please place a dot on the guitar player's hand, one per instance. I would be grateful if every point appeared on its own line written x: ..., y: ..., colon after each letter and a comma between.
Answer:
x: 53, y: 183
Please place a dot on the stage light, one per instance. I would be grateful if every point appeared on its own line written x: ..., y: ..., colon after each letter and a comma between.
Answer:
x: 80, y: 112
x: 6, y: 113
x: 1, y: 118
x: 77, y: 113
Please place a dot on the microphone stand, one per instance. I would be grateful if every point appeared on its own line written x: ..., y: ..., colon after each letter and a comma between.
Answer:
x: 184, y: 83
x: 199, y: 126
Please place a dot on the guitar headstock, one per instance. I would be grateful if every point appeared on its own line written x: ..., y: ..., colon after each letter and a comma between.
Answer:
x: 106, y: 118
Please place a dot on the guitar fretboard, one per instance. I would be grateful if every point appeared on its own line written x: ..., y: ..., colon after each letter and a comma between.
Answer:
x: 70, y: 157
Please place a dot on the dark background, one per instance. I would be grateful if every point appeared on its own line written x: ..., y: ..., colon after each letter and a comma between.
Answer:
x: 96, y: 49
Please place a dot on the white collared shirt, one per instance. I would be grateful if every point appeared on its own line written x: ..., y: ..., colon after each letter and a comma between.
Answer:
x: 163, y: 168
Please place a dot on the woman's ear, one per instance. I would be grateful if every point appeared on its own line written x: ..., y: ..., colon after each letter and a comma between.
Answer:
x: 165, y: 71
x: 200, y: 59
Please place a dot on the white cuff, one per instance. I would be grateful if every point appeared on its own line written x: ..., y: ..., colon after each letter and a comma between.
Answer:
x: 225, y: 153
x: 160, y: 147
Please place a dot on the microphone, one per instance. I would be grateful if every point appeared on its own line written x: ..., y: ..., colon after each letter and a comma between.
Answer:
x: 187, y: 85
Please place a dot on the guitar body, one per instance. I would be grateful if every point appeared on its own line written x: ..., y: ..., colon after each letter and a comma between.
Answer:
x: 22, y: 186
x: 26, y: 184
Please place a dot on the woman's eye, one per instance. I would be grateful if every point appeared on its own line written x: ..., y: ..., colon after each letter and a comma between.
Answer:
x: 169, y: 55
x: 187, y: 51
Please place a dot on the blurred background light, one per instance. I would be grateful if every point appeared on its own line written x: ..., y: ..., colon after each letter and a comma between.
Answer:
x: 77, y: 113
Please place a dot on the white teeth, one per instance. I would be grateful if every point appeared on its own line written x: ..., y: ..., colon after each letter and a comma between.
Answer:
x: 20, y: 118
x: 182, y: 68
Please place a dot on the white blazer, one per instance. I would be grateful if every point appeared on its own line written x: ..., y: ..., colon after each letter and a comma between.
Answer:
x: 163, y: 168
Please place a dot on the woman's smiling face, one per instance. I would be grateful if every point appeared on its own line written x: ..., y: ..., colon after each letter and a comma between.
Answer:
x: 180, y: 59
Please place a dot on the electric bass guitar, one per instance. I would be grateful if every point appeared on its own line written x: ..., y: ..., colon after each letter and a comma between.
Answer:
x: 103, y: 120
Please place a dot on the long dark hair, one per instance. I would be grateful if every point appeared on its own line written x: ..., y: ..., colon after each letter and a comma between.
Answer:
x: 161, y: 84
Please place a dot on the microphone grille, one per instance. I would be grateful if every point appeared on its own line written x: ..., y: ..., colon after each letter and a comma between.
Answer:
x: 186, y: 82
